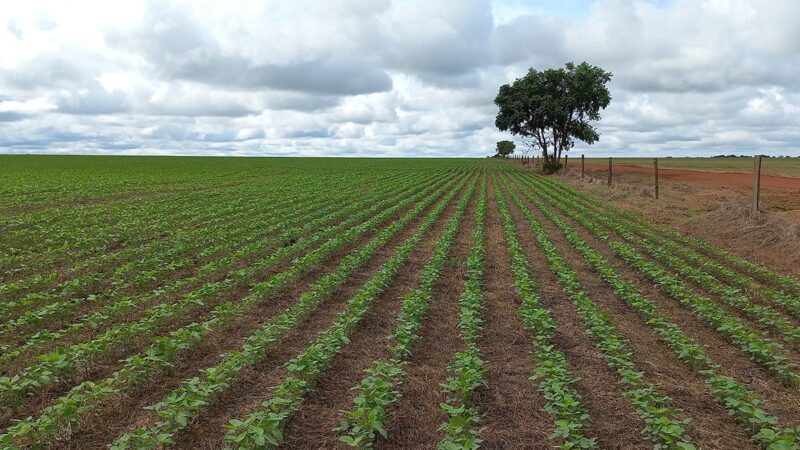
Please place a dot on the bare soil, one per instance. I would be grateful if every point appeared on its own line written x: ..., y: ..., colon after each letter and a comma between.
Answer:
x: 511, y: 405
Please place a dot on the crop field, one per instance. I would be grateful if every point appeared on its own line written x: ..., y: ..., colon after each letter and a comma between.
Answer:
x: 311, y: 303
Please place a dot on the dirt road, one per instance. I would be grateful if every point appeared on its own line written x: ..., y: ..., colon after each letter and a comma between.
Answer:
x: 732, y: 179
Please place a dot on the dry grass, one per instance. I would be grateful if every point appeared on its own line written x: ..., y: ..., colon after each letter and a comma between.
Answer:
x: 716, y: 214
x: 733, y: 220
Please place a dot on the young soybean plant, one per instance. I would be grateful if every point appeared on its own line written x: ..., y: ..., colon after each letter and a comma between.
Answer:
x: 264, y: 427
x: 729, y: 326
x: 55, y: 418
x: 381, y: 387
x: 466, y: 367
x: 736, y: 397
x: 552, y: 370
x: 662, y: 424
x: 195, y: 394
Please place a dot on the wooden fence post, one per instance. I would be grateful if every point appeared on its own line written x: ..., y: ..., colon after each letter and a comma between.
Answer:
x: 583, y: 166
x: 655, y: 167
x: 566, y: 163
x: 609, y: 171
x: 756, y: 184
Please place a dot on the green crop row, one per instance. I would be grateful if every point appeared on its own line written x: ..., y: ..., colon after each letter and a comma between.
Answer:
x: 166, y: 349
x: 380, y: 388
x: 263, y: 428
x: 704, y: 272
x: 120, y: 270
x: 194, y: 394
x: 466, y: 367
x: 179, y: 255
x: 733, y: 329
x: 712, y: 270
x: 738, y: 400
x: 78, y: 246
x: 289, y: 228
x: 662, y: 423
x: 52, y: 364
x: 552, y: 370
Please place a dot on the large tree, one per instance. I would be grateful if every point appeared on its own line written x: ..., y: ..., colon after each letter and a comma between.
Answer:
x: 505, y: 148
x: 554, y: 107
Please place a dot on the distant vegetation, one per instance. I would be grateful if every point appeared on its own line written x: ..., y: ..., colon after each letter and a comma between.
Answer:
x: 505, y: 148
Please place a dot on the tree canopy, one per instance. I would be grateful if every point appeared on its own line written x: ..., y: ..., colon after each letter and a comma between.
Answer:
x: 554, y: 107
x: 505, y: 148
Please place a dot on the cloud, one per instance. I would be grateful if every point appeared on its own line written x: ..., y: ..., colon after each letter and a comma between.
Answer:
x: 443, y: 38
x: 178, y: 47
x: 93, y: 99
x: 392, y: 78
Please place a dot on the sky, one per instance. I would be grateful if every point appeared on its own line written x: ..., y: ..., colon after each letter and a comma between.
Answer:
x: 410, y: 78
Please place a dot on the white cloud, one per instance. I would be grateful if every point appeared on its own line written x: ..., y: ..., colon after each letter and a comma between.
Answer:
x: 31, y: 106
x: 369, y: 77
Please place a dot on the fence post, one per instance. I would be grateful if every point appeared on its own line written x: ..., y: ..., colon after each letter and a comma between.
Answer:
x: 655, y: 167
x: 609, y: 171
x: 756, y: 184
x: 583, y: 166
x: 566, y: 163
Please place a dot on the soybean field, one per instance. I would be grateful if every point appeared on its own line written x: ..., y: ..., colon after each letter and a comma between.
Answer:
x: 320, y: 303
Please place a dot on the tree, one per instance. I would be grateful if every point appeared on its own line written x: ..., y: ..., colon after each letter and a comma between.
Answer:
x: 505, y: 148
x: 554, y: 107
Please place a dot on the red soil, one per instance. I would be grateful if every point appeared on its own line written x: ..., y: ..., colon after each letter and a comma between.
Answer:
x: 731, y: 179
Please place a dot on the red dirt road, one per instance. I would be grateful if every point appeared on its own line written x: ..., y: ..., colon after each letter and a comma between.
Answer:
x: 730, y: 179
